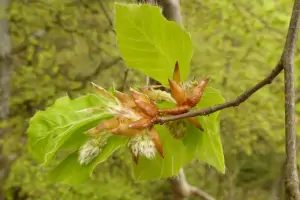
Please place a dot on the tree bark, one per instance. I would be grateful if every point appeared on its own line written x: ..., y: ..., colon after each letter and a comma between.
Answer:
x: 171, y: 10
x: 287, y: 59
x: 5, y: 78
x: 276, y: 191
x: 5, y: 66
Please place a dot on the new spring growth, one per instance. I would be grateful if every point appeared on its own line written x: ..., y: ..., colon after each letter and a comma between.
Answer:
x: 186, y: 95
x: 91, y: 149
x: 135, y: 114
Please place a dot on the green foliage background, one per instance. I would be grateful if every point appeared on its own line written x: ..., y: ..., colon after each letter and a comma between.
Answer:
x: 237, y: 43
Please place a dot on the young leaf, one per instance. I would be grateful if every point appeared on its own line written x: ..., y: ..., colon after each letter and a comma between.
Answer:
x: 150, y: 43
x: 207, y: 145
x: 210, y: 147
x: 70, y: 172
x: 62, y: 127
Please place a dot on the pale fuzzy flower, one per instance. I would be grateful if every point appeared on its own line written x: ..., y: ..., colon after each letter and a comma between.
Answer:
x: 142, y: 145
x: 189, y: 84
x: 158, y: 95
x: 177, y: 128
x: 91, y: 150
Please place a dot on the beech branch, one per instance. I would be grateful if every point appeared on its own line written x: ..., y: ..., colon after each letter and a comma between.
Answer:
x: 232, y: 103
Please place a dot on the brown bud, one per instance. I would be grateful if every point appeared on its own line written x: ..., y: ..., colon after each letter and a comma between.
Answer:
x: 135, y: 158
x: 139, y: 96
x: 197, y: 92
x: 125, y: 99
x: 177, y: 92
x: 154, y: 136
x: 149, y: 109
x: 141, y: 123
x: 176, y: 73
x: 194, y: 121
x: 124, y: 129
x: 105, y: 125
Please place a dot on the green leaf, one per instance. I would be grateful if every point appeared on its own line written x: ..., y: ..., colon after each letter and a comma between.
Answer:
x: 62, y: 127
x: 150, y: 43
x: 70, y: 172
x: 207, y: 146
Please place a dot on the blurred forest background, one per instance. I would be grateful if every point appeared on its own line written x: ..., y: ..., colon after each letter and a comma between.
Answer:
x: 57, y: 47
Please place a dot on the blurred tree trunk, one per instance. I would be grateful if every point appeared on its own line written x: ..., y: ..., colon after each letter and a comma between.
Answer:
x: 5, y: 77
x: 278, y: 185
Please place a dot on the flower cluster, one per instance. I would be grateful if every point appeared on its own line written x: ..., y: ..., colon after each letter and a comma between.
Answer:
x: 91, y: 149
x: 136, y: 114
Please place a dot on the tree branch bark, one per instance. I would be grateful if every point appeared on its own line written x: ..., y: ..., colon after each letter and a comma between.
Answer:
x: 232, y: 103
x: 291, y: 173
